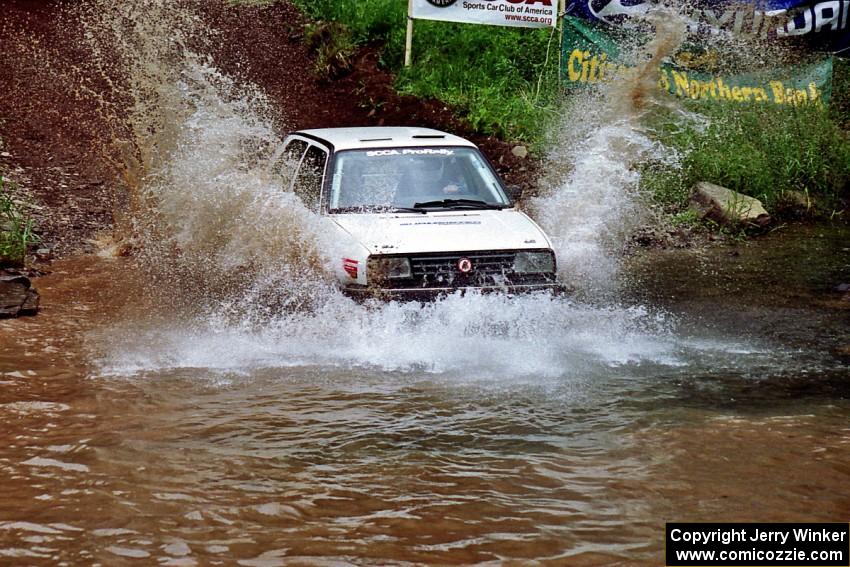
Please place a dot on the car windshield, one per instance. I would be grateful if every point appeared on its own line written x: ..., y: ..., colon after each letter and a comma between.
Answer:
x: 402, y: 178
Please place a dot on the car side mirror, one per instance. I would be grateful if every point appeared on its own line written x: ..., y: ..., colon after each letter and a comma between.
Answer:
x: 514, y: 192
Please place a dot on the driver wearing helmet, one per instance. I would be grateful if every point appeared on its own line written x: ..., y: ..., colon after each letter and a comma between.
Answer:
x: 429, y: 178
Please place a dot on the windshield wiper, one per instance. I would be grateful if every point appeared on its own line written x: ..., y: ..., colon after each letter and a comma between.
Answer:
x: 409, y: 210
x: 452, y: 203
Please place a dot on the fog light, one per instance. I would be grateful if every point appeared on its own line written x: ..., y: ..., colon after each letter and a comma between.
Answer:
x: 534, y: 263
x: 392, y: 268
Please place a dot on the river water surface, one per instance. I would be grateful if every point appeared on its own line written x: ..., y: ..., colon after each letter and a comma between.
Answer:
x: 472, y: 430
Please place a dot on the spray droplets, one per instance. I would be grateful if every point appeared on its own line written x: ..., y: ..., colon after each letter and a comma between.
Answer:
x: 590, y: 201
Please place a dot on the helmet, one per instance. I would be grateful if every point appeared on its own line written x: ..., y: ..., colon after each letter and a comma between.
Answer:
x: 429, y: 169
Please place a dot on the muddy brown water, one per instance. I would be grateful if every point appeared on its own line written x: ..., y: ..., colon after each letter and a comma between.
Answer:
x: 280, y: 458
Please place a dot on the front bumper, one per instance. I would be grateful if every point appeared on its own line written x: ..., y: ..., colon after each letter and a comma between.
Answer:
x: 430, y: 293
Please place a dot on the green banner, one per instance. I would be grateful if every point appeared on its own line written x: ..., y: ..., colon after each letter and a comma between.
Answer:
x: 591, y: 55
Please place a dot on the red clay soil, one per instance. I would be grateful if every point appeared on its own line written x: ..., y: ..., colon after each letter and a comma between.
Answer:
x: 54, y: 132
x: 51, y: 134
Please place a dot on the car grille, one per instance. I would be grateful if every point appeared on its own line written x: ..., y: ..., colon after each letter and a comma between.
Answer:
x: 489, y: 268
x: 483, y: 264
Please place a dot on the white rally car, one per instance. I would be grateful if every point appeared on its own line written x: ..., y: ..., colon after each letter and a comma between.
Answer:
x: 418, y: 212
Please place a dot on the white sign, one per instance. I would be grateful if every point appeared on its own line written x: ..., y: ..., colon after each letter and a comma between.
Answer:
x: 516, y: 13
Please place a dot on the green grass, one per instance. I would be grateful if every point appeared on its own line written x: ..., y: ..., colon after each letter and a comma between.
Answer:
x: 840, y: 103
x: 498, y: 79
x: 368, y: 20
x: 16, y: 228
x: 761, y: 150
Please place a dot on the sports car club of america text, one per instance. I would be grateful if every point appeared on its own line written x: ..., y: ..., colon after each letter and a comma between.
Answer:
x: 512, y: 7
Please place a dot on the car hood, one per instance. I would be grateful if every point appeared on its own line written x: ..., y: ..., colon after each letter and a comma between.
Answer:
x: 449, y: 231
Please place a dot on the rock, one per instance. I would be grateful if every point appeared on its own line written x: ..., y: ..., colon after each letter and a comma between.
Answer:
x: 17, y: 296
x: 30, y: 305
x: 725, y: 206
x: 520, y: 151
x: 44, y: 254
x: 842, y: 287
x: 13, y: 294
x: 178, y: 548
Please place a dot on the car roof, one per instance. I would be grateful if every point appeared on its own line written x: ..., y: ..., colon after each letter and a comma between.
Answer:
x: 383, y: 137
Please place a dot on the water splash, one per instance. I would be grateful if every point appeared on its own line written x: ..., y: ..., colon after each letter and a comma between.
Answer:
x: 481, y: 335
x: 209, y: 221
x: 590, y: 201
x: 223, y: 220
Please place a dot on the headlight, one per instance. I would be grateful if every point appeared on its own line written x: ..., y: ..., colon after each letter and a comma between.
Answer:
x: 390, y: 268
x: 534, y: 263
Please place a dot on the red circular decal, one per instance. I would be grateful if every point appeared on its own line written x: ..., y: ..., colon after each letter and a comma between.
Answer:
x: 464, y: 265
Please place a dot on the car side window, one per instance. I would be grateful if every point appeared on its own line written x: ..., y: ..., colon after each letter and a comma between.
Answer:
x: 308, y: 180
x: 287, y: 161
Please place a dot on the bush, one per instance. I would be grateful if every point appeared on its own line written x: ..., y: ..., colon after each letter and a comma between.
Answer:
x: 760, y: 150
x: 16, y: 229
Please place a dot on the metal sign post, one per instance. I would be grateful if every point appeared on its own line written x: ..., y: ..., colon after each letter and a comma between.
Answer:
x: 562, y: 12
x: 408, y: 42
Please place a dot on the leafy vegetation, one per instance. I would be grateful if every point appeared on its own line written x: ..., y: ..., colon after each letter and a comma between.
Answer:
x: 762, y: 150
x: 503, y: 81
x: 840, y: 103
x: 16, y: 228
